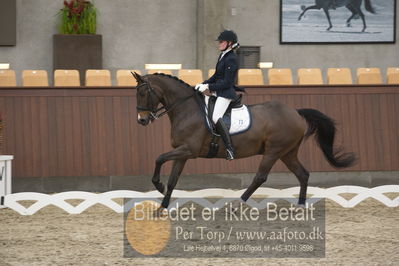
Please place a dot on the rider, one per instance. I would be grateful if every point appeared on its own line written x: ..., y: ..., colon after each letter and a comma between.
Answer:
x: 222, y: 85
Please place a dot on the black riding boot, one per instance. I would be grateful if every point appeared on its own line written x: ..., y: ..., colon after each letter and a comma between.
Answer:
x: 223, y: 131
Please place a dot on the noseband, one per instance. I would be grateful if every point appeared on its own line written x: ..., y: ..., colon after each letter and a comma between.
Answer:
x: 151, y: 93
x: 153, y: 110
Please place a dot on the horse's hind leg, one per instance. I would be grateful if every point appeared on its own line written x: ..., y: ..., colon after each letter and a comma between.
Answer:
x: 363, y: 19
x: 293, y: 164
x: 261, y: 176
x: 356, y: 10
x: 348, y: 21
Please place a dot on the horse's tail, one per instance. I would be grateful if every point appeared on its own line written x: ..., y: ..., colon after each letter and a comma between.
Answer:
x: 369, y: 7
x: 324, y: 128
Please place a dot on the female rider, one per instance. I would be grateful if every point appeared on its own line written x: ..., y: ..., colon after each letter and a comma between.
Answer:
x: 222, y: 84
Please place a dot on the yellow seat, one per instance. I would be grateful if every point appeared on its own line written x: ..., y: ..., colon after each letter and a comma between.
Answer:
x: 280, y: 76
x: 7, y: 78
x: 310, y: 76
x: 35, y: 78
x: 211, y: 72
x: 165, y: 71
x: 124, y: 77
x: 191, y: 76
x: 98, y: 77
x: 393, y: 75
x: 338, y: 76
x: 66, y: 77
x: 369, y: 75
x: 249, y: 76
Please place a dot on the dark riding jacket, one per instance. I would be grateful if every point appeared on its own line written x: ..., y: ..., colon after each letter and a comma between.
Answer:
x: 223, y: 81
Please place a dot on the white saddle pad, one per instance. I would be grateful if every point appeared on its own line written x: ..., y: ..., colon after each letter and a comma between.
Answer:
x: 240, y: 118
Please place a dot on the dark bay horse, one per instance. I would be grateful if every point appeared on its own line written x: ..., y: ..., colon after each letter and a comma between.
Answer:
x: 353, y: 5
x: 277, y: 132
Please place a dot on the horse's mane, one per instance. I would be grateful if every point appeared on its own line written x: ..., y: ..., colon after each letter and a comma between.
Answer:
x: 175, y: 78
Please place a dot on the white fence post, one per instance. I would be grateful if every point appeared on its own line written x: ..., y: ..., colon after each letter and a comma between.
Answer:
x: 5, y: 177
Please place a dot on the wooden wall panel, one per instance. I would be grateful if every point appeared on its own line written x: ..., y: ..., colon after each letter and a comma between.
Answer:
x: 93, y: 132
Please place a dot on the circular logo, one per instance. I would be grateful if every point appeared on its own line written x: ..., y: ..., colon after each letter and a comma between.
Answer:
x: 147, y: 232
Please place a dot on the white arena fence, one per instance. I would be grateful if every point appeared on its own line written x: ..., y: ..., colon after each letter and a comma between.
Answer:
x: 89, y: 199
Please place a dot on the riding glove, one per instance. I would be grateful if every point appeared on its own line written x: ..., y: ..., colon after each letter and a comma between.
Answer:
x: 201, y: 87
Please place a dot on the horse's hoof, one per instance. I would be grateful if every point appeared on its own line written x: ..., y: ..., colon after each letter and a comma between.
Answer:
x: 329, y: 28
x: 301, y: 204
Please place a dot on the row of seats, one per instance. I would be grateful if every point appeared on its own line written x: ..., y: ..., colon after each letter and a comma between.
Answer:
x: 313, y: 76
x: 305, y: 76
x: 93, y: 77
x: 281, y: 76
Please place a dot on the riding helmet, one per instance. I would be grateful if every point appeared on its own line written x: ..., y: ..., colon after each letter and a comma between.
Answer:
x: 227, y: 35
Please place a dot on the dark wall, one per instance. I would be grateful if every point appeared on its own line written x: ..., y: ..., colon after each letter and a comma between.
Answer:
x: 8, y: 23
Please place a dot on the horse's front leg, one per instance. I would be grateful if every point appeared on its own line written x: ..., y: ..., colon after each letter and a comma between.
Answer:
x: 328, y: 18
x: 177, y: 168
x: 306, y: 9
x: 181, y: 152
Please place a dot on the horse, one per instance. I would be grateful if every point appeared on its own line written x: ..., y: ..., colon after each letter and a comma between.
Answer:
x: 277, y: 132
x: 352, y: 5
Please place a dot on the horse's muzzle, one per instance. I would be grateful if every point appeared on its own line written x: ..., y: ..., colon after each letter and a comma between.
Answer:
x: 143, y: 121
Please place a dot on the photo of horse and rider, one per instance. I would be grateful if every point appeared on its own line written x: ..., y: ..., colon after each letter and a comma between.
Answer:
x: 337, y: 21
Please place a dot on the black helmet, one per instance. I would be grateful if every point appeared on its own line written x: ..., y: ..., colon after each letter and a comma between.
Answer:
x: 227, y: 35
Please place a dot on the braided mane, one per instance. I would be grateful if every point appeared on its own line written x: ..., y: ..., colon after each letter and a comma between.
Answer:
x: 175, y: 78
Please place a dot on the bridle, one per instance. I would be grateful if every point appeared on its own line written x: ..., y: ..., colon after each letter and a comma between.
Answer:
x: 153, y: 110
x: 151, y: 93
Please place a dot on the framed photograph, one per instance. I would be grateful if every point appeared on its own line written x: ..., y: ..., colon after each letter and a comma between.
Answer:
x: 337, y: 21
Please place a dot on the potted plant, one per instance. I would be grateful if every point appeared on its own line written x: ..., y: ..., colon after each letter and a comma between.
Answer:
x: 77, y: 46
x: 78, y: 17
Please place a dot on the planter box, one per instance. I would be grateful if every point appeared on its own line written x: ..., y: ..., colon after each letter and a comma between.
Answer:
x: 77, y: 51
x: 5, y: 177
x: 1, y: 134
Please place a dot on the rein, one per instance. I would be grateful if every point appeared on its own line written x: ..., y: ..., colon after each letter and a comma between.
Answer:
x: 154, y: 112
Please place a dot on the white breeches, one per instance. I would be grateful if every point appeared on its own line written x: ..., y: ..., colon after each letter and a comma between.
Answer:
x: 220, y: 108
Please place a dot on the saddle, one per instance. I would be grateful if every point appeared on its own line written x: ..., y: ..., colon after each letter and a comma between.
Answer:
x: 237, y: 118
x: 210, y: 106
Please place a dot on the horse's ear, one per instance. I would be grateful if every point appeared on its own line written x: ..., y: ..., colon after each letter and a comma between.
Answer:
x: 137, y: 76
